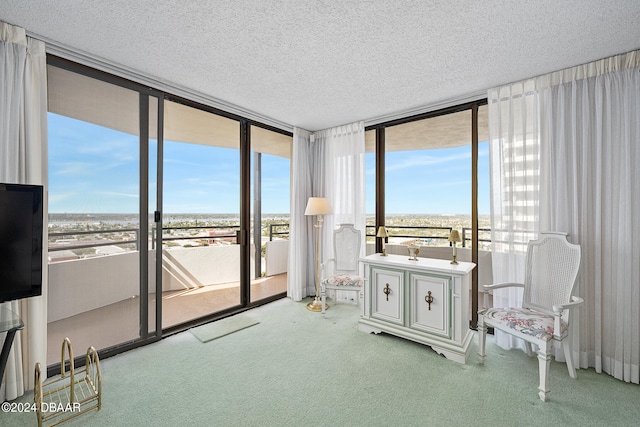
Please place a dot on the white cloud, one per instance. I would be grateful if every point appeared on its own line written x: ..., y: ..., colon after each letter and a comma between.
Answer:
x: 119, y: 194
x: 424, y: 160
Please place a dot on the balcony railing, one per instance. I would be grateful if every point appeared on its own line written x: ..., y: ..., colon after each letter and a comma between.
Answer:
x: 56, y: 246
x: 391, y: 229
x: 232, y: 234
x: 275, y: 230
x: 277, y: 227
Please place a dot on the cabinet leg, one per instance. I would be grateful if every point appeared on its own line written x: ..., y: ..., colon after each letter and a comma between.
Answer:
x: 368, y: 329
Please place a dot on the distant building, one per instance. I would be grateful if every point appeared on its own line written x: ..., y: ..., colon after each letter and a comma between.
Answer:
x: 66, y: 255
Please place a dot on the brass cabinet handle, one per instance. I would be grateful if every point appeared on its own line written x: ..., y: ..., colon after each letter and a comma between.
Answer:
x: 387, y: 291
x: 428, y: 299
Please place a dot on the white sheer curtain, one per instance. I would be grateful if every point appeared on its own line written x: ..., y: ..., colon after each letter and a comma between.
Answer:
x: 328, y: 163
x: 344, y: 180
x: 587, y: 122
x: 23, y: 160
x: 514, y: 150
x: 300, y: 278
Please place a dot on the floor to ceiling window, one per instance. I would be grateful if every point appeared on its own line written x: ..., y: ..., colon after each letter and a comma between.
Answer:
x: 270, y: 206
x: 432, y: 177
x: 428, y: 179
x: 96, y: 295
x: 200, y: 214
x: 149, y: 206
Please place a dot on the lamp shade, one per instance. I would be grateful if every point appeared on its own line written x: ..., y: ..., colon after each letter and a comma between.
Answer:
x: 455, y: 236
x: 382, y: 232
x: 318, y: 206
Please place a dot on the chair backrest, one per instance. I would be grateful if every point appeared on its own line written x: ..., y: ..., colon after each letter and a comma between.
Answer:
x: 346, y: 246
x: 551, y: 271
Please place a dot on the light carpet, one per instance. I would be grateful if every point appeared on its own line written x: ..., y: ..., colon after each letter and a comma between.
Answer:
x: 221, y: 328
x: 298, y: 368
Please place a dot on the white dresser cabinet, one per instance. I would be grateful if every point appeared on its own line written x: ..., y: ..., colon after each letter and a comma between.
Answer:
x: 426, y: 301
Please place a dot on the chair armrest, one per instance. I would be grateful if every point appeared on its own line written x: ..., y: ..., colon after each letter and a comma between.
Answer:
x: 324, y: 268
x: 501, y: 285
x: 487, y: 288
x: 575, y: 301
x: 560, y: 308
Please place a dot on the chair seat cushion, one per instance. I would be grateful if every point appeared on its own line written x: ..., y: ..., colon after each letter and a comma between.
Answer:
x: 344, y: 280
x: 524, y: 320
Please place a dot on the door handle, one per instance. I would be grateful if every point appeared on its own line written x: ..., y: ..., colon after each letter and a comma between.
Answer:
x: 387, y: 291
x: 428, y: 299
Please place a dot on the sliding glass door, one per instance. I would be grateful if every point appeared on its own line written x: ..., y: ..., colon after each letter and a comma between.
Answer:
x: 269, y: 230
x: 99, y: 272
x: 200, y: 214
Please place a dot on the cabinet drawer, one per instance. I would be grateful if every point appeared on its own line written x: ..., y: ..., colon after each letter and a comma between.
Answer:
x: 387, y: 295
x: 430, y: 309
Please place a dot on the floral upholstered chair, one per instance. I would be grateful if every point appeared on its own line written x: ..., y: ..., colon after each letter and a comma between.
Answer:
x: 551, y: 271
x: 344, y: 267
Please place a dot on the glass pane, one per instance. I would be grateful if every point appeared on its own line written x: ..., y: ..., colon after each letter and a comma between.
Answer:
x: 201, y: 205
x: 270, y: 191
x: 370, y: 188
x: 485, y: 272
x: 152, y: 206
x: 428, y: 184
x: 94, y: 199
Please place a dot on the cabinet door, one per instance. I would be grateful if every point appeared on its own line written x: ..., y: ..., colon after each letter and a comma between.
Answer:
x: 387, y: 294
x: 430, y: 297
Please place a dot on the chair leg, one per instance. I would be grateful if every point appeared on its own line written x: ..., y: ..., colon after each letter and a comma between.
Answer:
x: 482, y: 337
x: 323, y: 296
x: 568, y: 355
x: 544, y: 361
x: 527, y: 348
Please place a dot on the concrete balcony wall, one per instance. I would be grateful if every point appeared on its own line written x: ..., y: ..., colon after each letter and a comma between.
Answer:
x: 85, y: 284
x: 82, y: 285
x: 276, y: 257
x: 187, y: 268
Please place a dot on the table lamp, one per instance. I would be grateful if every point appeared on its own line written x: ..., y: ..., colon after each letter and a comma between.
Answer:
x: 454, y: 238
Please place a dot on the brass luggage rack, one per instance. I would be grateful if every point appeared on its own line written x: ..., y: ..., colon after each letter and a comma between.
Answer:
x: 71, y: 394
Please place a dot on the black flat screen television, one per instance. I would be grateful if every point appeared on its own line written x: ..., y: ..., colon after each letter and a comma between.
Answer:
x: 21, y: 228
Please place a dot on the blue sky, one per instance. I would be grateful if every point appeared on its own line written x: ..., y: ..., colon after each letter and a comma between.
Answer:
x: 436, y: 181
x: 93, y: 169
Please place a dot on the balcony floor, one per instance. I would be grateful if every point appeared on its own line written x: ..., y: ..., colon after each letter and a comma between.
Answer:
x: 119, y: 323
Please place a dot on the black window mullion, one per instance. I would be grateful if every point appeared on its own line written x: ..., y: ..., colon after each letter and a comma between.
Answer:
x: 245, y: 212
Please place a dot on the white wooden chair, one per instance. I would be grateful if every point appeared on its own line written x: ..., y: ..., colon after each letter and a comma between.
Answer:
x: 343, y: 267
x: 544, y: 319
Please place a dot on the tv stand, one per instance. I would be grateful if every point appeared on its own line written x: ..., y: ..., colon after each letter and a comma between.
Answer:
x: 9, y: 323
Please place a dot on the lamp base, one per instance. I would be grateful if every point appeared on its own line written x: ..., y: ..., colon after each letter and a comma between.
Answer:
x: 454, y: 260
x: 316, y: 305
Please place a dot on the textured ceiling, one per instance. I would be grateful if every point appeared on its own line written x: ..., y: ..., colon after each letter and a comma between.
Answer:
x: 317, y: 64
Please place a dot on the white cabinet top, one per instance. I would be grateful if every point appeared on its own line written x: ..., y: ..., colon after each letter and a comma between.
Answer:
x: 431, y: 264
